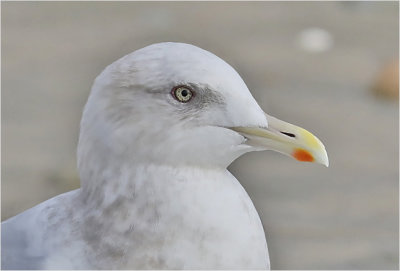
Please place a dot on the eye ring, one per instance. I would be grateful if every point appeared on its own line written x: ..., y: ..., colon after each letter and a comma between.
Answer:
x: 182, y: 94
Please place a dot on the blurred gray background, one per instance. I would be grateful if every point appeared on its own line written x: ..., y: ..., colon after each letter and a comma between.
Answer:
x: 310, y: 63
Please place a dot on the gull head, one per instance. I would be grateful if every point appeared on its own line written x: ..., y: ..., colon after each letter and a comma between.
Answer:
x: 176, y: 104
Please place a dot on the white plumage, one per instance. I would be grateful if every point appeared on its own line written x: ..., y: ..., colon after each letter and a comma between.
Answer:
x: 155, y: 192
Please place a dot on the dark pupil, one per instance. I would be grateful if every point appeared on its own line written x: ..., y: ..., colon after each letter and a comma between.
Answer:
x: 184, y: 93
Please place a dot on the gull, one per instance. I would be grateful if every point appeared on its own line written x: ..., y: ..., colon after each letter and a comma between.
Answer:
x: 157, y: 133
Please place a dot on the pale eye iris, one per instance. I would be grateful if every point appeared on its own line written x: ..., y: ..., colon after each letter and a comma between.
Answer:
x: 182, y: 94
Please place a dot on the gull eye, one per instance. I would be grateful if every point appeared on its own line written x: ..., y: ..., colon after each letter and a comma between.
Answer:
x: 182, y: 93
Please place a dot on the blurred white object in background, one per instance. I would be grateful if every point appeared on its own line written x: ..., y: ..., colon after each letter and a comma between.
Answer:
x: 315, y: 40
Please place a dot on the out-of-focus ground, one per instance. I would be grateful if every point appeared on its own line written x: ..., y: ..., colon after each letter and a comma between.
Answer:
x: 341, y: 217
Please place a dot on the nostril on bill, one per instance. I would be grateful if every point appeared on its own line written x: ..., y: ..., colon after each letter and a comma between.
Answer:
x: 288, y: 134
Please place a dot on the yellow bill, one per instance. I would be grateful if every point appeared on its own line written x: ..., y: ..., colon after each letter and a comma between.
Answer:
x: 286, y: 138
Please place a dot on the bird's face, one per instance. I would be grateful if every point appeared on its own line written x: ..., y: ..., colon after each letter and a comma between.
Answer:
x: 178, y: 104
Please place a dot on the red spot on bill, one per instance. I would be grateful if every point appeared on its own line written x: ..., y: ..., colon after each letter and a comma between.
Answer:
x: 303, y: 155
